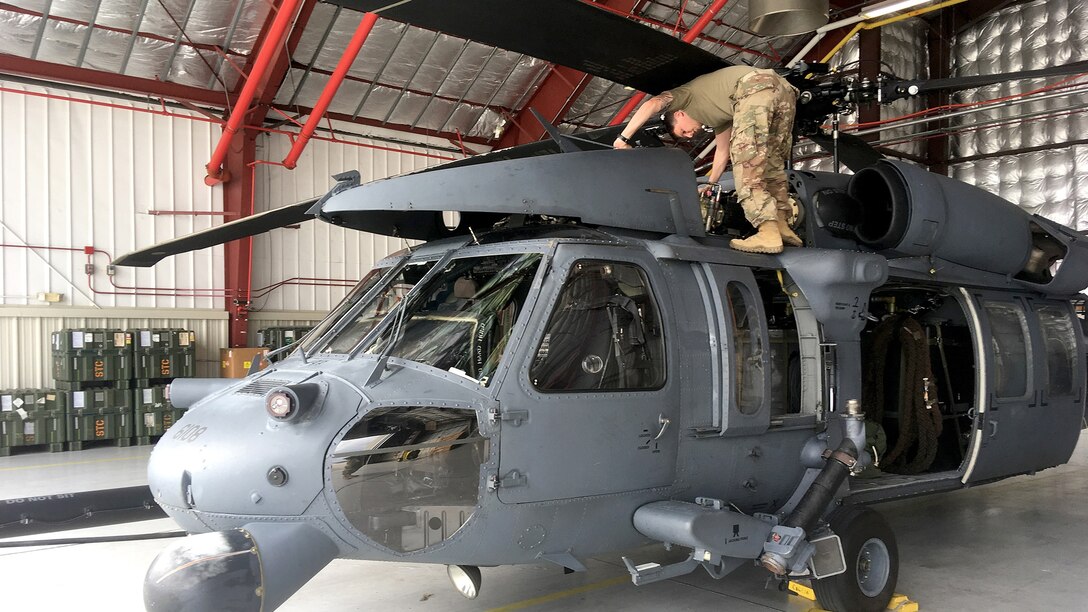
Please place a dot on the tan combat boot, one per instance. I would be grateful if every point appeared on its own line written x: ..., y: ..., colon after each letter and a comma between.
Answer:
x: 766, y: 240
x: 789, y: 238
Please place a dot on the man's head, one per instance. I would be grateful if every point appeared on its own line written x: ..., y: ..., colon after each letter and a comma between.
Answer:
x: 681, y: 124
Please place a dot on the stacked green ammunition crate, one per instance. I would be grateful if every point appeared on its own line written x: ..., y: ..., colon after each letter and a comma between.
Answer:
x: 161, y: 355
x: 86, y: 358
x: 32, y: 417
x: 94, y: 368
x: 100, y: 414
x: 154, y: 412
x: 278, y: 337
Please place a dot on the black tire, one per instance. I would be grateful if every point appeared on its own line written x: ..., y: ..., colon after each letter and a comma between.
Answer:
x: 872, y: 563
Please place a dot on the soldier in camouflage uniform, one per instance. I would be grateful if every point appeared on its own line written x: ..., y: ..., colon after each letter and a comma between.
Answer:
x: 751, y: 112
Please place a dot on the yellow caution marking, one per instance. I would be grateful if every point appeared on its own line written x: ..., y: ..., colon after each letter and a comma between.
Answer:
x: 68, y: 463
x: 536, y: 601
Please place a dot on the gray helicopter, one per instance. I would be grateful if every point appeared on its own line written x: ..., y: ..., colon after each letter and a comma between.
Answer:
x: 595, y: 371
x: 580, y: 365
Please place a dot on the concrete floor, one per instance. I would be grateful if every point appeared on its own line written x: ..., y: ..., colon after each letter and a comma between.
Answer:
x: 1015, y: 545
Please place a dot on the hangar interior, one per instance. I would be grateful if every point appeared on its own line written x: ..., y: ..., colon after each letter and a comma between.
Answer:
x: 128, y: 123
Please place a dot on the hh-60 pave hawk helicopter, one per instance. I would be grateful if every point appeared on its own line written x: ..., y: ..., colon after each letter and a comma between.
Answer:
x: 582, y: 365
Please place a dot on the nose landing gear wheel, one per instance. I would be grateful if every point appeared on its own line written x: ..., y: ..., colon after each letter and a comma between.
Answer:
x: 872, y: 563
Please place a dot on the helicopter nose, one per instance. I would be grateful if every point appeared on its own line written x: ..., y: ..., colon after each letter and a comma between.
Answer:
x: 256, y: 567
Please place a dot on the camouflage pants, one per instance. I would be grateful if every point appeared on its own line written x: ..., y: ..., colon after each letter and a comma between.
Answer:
x: 763, y: 111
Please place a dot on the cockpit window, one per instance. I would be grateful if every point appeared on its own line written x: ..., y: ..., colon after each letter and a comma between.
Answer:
x: 461, y: 319
x: 605, y: 333
x: 352, y: 298
x: 371, y: 314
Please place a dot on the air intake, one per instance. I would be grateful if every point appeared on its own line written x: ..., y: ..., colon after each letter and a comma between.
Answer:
x: 786, y: 17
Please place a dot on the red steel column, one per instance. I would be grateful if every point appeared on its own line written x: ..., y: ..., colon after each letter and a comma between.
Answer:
x: 237, y: 254
x: 691, y: 35
x: 331, y: 87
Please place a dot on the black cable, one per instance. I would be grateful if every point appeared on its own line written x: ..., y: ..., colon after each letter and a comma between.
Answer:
x: 96, y: 539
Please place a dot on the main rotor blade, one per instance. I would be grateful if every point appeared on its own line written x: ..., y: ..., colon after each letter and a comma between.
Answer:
x: 904, y: 89
x: 854, y: 152
x: 567, y: 32
x: 242, y: 228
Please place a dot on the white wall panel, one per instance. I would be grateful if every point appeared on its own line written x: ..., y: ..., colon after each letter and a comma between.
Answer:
x: 25, y: 351
x: 317, y: 249
x: 74, y: 174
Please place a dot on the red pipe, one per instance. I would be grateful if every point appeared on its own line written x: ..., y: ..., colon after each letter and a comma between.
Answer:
x: 270, y: 49
x: 327, y: 94
x: 691, y: 35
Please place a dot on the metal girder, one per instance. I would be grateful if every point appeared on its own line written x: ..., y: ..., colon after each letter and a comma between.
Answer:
x: 939, y: 40
x: 22, y: 66
x: 557, y: 92
x: 305, y: 110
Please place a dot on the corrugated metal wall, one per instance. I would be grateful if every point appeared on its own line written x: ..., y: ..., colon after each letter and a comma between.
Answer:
x: 74, y: 174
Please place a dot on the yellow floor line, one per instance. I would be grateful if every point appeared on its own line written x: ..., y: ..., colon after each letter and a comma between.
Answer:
x: 68, y: 463
x: 521, y: 605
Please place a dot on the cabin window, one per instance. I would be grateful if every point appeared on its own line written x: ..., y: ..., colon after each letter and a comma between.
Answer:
x: 1008, y: 344
x: 1061, y: 348
x: 747, y: 349
x: 604, y: 334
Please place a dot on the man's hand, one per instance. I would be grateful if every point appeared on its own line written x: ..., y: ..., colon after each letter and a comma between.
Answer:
x: 619, y: 144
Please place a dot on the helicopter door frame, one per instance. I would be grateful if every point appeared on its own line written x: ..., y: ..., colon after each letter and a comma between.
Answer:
x: 728, y: 417
x: 579, y: 443
x: 1014, y: 433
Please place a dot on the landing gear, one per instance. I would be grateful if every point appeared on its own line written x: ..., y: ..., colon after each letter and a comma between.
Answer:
x: 872, y: 563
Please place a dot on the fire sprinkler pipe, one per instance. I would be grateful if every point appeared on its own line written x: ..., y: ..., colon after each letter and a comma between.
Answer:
x: 270, y: 49
x: 327, y: 94
x: 691, y: 35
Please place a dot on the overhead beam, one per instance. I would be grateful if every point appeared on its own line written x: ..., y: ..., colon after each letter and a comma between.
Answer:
x: 48, y: 71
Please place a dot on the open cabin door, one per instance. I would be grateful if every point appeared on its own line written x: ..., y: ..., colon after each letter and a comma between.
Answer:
x: 740, y: 353
x: 594, y: 407
x: 1032, y: 374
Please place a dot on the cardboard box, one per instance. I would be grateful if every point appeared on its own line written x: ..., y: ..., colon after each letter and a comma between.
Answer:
x: 235, y: 362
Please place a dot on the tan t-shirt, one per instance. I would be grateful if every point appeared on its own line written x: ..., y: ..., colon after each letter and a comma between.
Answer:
x: 709, y: 98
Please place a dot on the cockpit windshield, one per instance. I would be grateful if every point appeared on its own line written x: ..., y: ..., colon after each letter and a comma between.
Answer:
x: 458, y: 321
x: 309, y: 342
x: 374, y: 311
